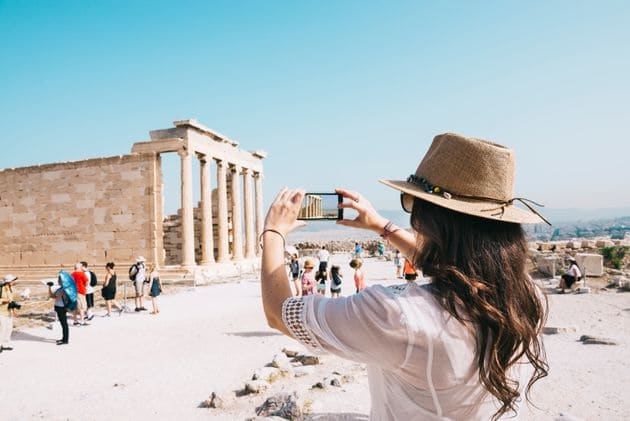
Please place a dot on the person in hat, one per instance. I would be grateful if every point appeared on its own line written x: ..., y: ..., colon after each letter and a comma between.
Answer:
x: 573, y: 275
x: 138, y: 275
x: 6, y: 313
x: 307, y: 279
x: 466, y: 344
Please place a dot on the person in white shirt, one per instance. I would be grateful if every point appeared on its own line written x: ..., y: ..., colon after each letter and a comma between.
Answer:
x: 138, y: 274
x: 573, y: 275
x: 323, y: 255
x: 463, y: 345
x: 89, y: 290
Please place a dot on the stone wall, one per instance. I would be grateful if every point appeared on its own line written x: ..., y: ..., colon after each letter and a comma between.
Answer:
x: 98, y: 210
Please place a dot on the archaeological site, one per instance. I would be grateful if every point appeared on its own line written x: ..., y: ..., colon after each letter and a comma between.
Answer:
x: 112, y: 209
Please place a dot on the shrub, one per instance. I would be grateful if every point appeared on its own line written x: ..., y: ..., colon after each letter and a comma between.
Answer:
x: 614, y: 256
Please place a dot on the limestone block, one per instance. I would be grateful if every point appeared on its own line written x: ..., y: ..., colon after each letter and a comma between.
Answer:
x: 24, y: 217
x: 604, y: 243
x: 121, y: 254
x: 71, y: 221
x: 548, y: 265
x: 51, y: 175
x: 591, y: 264
x: 85, y: 204
x: 125, y: 219
x: 6, y: 212
x: 546, y: 246
x: 588, y: 244
x: 60, y: 198
x: 575, y: 244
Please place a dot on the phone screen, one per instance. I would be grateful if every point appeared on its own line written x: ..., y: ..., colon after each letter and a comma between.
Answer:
x: 321, y: 206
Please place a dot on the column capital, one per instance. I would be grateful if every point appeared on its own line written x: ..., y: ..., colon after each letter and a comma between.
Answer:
x: 202, y: 157
x: 183, y: 152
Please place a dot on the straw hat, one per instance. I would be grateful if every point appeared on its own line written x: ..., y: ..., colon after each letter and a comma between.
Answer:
x: 356, y: 263
x: 8, y: 279
x: 471, y: 176
x: 308, y: 263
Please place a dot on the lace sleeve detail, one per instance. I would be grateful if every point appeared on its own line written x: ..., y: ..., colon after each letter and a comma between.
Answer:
x: 294, y: 320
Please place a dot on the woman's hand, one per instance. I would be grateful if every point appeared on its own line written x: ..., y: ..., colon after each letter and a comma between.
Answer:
x: 367, y: 217
x: 283, y: 212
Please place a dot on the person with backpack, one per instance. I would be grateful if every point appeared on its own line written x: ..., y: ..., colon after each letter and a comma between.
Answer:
x: 6, y: 314
x: 62, y: 312
x: 89, y: 290
x: 138, y: 275
x: 335, y: 281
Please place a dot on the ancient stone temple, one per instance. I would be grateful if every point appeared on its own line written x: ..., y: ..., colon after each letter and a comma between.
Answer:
x: 112, y: 209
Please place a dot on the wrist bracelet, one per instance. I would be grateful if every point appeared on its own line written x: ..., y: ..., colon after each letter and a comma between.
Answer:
x: 284, y: 243
x: 389, y: 229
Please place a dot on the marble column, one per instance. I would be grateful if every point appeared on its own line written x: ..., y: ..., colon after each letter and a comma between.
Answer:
x: 237, y: 229
x: 223, y: 246
x: 207, y: 237
x: 259, y: 207
x: 250, y: 243
x: 188, y: 227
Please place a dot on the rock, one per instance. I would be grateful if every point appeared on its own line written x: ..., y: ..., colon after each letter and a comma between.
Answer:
x: 256, y: 386
x: 218, y: 401
x: 291, y: 353
x: 347, y: 378
x: 319, y: 385
x: 282, y: 363
x: 335, y: 382
x: 282, y: 405
x: 308, y: 359
x: 594, y: 340
x: 549, y: 330
x: 269, y: 374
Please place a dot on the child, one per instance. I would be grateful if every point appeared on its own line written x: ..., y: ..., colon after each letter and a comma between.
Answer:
x: 294, y: 268
x: 306, y: 279
x: 335, y: 284
x: 321, y: 278
x: 359, y: 277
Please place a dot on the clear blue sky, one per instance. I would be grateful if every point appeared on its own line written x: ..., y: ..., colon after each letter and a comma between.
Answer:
x: 339, y: 93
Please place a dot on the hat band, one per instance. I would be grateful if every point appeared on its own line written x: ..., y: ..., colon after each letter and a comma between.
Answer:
x: 502, y: 204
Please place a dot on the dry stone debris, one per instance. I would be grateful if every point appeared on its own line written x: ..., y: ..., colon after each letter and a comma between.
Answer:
x: 283, y: 405
x: 594, y: 340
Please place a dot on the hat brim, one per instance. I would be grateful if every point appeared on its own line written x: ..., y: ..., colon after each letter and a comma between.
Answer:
x: 482, y: 209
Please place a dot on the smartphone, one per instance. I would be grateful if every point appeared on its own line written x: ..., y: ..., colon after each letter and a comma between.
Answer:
x: 321, y: 206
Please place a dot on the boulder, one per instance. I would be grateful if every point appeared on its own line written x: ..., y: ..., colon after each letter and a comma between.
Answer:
x: 283, y: 405
x: 256, y: 386
x: 590, y: 264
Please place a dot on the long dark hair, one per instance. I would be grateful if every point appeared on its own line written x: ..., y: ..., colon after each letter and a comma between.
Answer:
x: 479, y: 275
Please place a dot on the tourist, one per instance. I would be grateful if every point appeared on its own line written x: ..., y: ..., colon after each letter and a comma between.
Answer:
x: 359, y: 276
x: 109, y: 289
x: 307, y: 281
x: 466, y: 345
x: 573, y: 275
x: 320, y: 278
x: 138, y: 275
x: 62, y: 313
x: 80, y: 281
x: 380, y: 248
x: 294, y: 270
x: 155, y: 289
x: 6, y: 312
x: 323, y: 255
x: 398, y: 263
x: 409, y: 271
x: 89, y: 290
x: 358, y: 250
x: 335, y: 281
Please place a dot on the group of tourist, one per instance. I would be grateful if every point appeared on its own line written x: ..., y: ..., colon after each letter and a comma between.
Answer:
x: 85, y: 283
x: 306, y: 281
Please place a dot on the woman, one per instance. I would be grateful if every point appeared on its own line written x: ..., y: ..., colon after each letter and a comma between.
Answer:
x: 466, y: 344
x: 335, y: 281
x: 294, y: 267
x: 307, y: 281
x: 155, y: 289
x: 572, y: 276
x: 62, y: 313
x: 6, y: 312
x: 109, y: 289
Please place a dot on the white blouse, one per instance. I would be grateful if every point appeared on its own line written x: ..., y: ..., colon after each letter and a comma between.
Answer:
x: 420, y: 360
